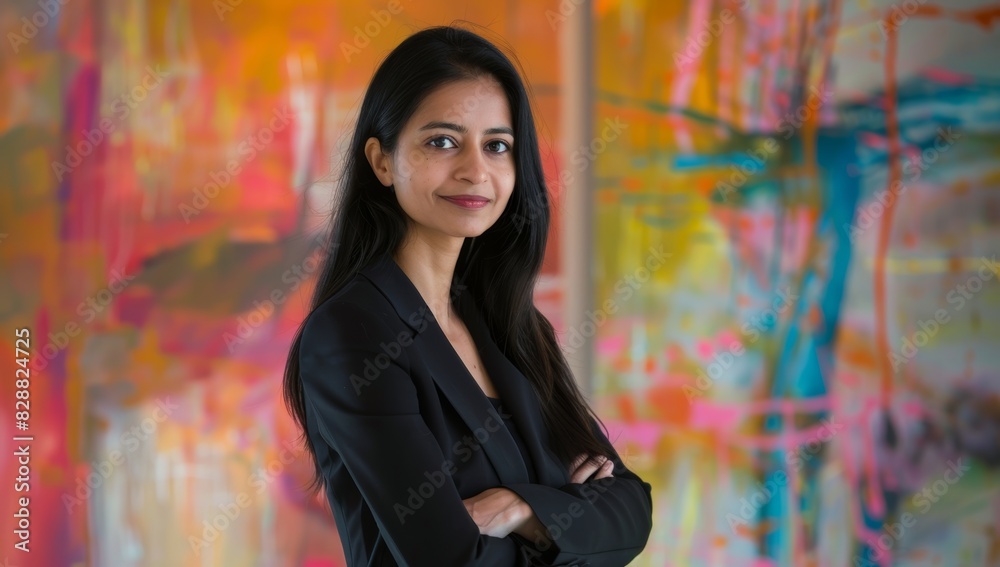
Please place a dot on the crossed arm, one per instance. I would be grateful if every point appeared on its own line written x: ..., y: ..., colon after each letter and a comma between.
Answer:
x: 397, y: 465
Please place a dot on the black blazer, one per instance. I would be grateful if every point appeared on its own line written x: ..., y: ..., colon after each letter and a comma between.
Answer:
x: 403, y: 433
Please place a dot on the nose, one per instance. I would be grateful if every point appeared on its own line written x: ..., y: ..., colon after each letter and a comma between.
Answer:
x: 472, y: 167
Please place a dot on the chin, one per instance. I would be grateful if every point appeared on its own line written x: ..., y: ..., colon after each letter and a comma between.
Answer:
x: 471, y: 233
x: 468, y: 231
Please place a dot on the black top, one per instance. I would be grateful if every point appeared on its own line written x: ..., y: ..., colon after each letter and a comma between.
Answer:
x: 512, y: 428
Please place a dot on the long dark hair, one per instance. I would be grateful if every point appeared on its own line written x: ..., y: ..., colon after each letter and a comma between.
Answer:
x: 499, y: 267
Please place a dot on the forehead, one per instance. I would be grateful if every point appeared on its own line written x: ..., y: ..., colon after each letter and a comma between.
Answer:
x: 468, y: 101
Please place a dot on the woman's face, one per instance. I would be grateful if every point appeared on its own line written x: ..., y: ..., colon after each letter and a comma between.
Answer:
x: 459, y: 142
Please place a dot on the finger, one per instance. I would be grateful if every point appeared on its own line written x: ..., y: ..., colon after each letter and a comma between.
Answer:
x: 596, y: 464
x: 583, y: 472
x: 576, y: 462
x: 589, y: 467
x: 605, y: 470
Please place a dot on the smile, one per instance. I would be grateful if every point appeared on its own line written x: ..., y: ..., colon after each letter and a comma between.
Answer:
x: 468, y: 202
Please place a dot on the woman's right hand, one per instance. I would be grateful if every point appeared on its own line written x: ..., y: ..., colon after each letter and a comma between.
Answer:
x: 581, y: 468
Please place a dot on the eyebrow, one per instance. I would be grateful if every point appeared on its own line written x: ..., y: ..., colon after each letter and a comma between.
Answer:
x: 463, y: 130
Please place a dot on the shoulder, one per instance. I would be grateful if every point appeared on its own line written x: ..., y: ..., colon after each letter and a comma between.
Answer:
x: 355, y: 316
x: 347, y: 342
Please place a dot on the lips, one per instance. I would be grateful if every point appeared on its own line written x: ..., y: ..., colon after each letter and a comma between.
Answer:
x: 467, y: 198
x: 468, y: 201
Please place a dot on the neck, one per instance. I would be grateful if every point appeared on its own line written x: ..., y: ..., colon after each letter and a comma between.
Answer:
x: 430, y: 265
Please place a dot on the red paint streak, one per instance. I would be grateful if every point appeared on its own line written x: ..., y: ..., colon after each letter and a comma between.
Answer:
x: 983, y: 16
x: 949, y: 77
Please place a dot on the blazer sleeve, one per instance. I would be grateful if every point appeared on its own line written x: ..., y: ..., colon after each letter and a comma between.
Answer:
x: 355, y: 376
x: 602, y: 523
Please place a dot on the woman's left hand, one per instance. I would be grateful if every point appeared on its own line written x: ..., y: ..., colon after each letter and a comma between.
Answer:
x: 500, y: 511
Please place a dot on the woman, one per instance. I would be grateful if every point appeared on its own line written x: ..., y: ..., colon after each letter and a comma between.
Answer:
x: 439, y: 410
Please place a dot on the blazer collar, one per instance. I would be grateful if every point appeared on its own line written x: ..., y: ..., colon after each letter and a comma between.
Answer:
x: 454, y: 380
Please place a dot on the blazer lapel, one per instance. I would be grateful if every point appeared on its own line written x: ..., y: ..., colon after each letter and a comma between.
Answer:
x: 447, y: 369
x: 518, y: 398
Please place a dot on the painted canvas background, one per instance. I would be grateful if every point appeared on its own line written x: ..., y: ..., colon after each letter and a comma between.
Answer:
x: 814, y: 374
x: 794, y: 231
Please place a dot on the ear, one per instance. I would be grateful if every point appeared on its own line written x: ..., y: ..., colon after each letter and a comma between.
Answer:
x: 381, y: 163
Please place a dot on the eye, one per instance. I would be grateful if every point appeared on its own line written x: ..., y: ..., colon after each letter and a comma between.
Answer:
x: 433, y: 142
x: 502, y: 148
